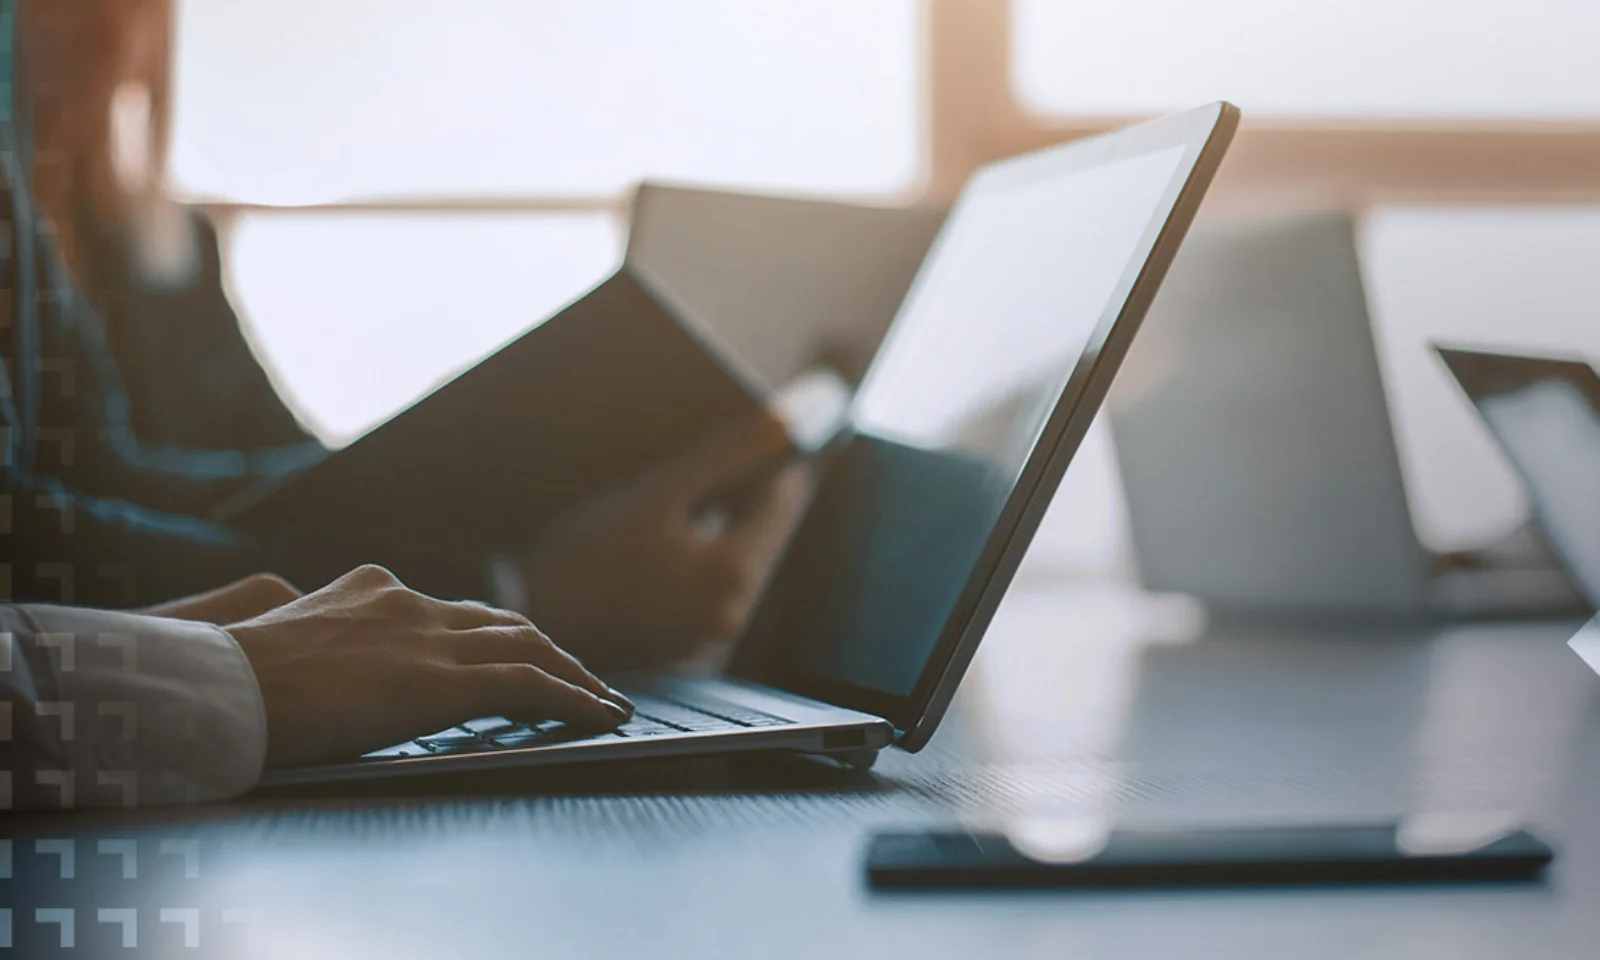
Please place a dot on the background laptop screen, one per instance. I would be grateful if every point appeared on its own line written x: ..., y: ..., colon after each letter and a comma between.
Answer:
x: 1546, y: 416
x: 1027, y: 267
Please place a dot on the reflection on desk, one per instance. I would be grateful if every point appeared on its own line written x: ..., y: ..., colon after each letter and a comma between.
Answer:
x: 1080, y: 704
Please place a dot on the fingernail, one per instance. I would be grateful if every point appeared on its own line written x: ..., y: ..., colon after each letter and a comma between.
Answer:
x: 621, y: 700
x: 617, y: 713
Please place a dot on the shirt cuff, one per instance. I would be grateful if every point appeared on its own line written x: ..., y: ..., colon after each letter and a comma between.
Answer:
x: 129, y: 709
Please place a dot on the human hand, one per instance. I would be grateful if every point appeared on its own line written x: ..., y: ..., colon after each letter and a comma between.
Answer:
x: 239, y: 600
x: 633, y: 578
x: 366, y: 662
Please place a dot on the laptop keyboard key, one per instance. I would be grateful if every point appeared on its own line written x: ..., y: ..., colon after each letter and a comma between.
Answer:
x: 537, y: 735
x: 708, y: 711
x: 683, y: 718
x: 488, y: 726
x: 453, y: 735
x: 655, y: 718
x: 763, y: 720
x: 645, y: 727
x: 438, y: 748
x: 520, y: 737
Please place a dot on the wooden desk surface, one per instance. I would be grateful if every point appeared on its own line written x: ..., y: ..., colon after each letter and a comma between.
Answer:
x: 1079, y: 705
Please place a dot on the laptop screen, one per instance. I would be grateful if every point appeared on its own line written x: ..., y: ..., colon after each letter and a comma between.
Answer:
x: 1545, y: 414
x: 1015, y: 297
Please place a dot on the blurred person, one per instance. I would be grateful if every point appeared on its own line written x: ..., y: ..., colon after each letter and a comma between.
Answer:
x: 132, y: 404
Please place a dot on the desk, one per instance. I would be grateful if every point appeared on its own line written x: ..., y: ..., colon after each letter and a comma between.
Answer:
x: 1078, y: 703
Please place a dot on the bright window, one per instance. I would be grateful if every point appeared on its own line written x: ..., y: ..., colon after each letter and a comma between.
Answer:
x: 1350, y: 58
x: 307, y: 102
x: 312, y: 101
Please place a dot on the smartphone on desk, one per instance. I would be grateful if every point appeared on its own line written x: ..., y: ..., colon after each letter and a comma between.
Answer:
x: 1035, y: 857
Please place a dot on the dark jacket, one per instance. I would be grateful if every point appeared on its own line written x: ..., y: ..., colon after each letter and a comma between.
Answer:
x: 121, y: 430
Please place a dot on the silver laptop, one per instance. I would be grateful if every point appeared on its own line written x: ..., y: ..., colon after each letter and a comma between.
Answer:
x: 996, y: 362
x: 1545, y: 414
x: 784, y: 283
x: 1256, y: 449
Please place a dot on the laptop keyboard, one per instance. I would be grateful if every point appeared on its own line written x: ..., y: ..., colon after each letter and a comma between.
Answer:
x: 654, y: 717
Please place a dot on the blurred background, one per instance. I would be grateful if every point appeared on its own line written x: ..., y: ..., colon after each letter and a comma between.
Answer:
x: 375, y: 164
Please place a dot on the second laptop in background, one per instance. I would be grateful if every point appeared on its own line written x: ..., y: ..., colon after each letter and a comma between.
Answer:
x: 1256, y: 447
x: 1544, y: 412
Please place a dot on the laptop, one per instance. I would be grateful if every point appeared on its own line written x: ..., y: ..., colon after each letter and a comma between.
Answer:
x: 1544, y: 412
x: 782, y: 282
x: 993, y: 368
x: 1256, y: 447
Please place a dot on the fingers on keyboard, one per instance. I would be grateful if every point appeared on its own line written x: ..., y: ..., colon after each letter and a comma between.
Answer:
x: 654, y: 718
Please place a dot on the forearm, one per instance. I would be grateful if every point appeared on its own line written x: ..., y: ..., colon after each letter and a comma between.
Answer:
x: 119, y: 709
x: 231, y: 603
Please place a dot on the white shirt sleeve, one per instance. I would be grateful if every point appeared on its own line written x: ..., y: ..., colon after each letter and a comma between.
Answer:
x: 101, y: 708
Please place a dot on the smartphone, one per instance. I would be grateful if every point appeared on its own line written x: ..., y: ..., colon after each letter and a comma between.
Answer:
x: 1198, y: 857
